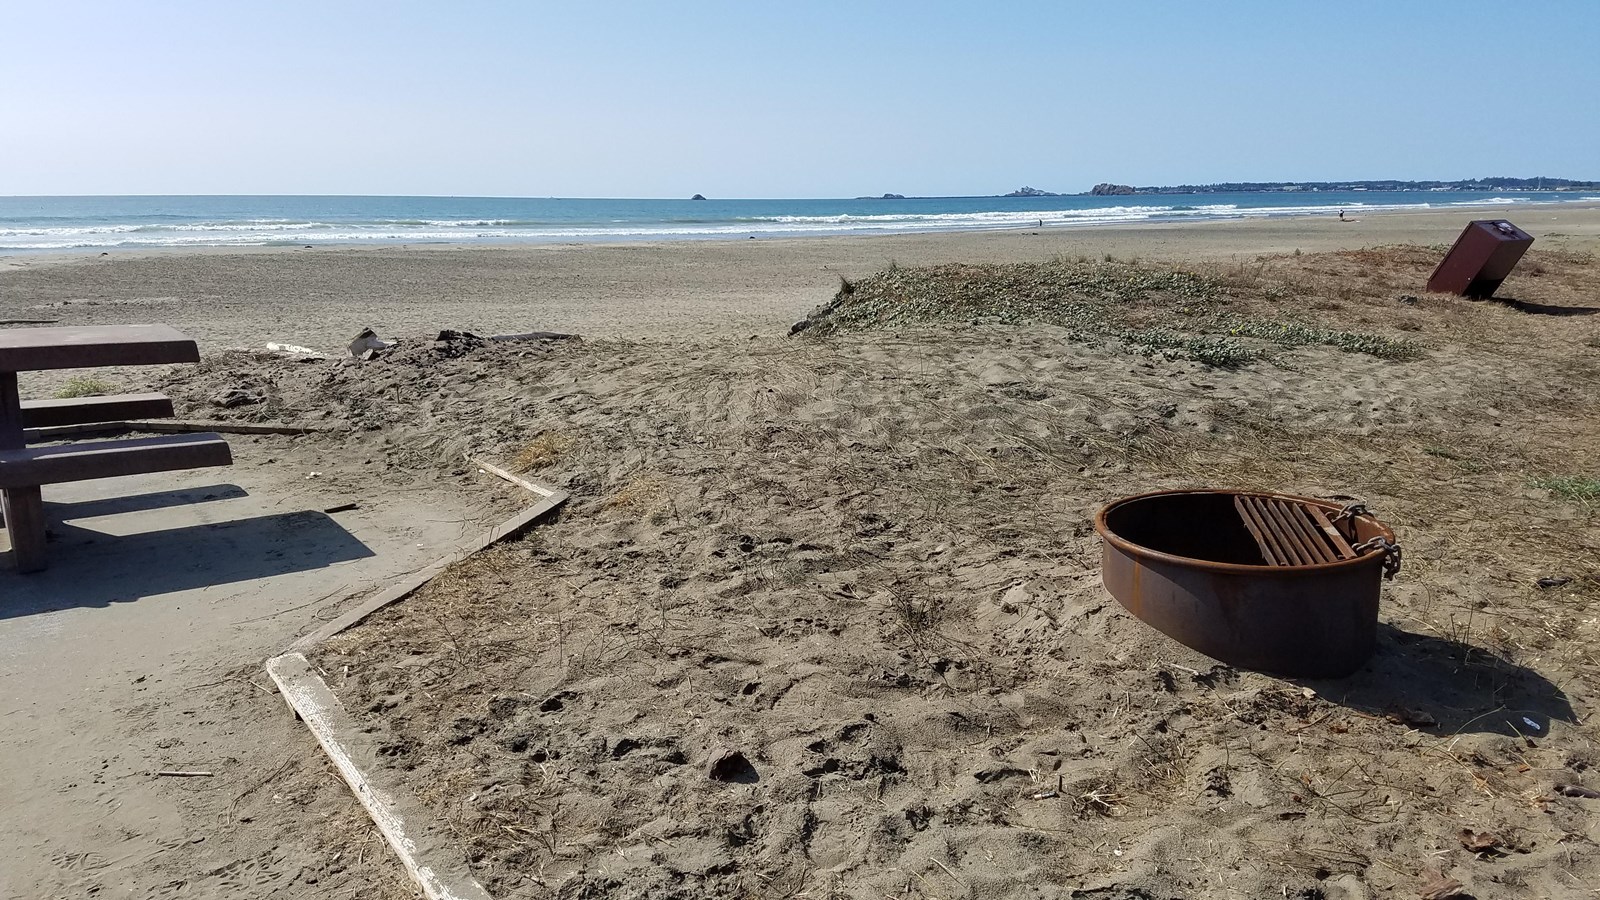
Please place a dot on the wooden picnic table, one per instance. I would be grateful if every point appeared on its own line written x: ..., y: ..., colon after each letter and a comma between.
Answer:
x: 23, y: 470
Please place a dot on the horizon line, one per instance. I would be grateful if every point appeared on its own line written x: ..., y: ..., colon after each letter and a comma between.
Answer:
x: 446, y: 196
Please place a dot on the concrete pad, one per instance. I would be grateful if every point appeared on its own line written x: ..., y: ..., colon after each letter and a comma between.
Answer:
x: 158, y: 586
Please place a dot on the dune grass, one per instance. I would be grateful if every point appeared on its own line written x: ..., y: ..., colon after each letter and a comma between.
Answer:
x: 1576, y: 488
x: 1151, y: 309
x: 84, y: 386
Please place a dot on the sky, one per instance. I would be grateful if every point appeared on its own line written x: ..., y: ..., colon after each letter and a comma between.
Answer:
x: 785, y: 99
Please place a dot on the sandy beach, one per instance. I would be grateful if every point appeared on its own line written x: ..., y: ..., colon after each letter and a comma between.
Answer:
x: 541, y: 451
x: 861, y: 558
x: 321, y: 297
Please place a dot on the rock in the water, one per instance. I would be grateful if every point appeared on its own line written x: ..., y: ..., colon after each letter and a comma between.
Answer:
x: 698, y: 197
x: 1110, y: 190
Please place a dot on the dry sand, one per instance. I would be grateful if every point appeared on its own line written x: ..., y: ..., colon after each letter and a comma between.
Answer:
x: 322, y: 297
x: 863, y: 562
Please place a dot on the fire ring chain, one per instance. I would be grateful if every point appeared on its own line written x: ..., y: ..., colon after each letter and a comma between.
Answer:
x: 1390, y: 550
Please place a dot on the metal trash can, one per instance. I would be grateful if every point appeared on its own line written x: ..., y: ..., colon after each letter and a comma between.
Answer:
x: 1483, y: 256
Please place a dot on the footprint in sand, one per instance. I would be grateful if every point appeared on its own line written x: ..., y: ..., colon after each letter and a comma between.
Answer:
x: 252, y: 872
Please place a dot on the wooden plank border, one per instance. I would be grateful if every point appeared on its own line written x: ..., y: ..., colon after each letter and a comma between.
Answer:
x: 405, y: 587
x: 434, y: 863
x: 104, y: 429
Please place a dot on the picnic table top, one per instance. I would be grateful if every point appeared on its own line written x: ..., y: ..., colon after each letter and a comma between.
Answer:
x: 91, y: 346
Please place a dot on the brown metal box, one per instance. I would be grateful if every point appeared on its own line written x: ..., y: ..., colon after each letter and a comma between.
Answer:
x: 1482, y: 257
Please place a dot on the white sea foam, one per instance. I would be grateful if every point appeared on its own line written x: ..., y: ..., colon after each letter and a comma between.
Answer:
x: 462, y: 223
x: 68, y: 230
x: 231, y: 232
x: 1007, y: 217
x: 250, y: 239
x: 1491, y: 201
x: 264, y: 225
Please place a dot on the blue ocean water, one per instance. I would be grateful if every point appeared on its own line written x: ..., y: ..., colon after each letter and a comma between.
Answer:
x: 44, y: 224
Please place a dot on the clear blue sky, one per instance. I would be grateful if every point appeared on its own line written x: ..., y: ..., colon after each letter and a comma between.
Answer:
x: 785, y: 99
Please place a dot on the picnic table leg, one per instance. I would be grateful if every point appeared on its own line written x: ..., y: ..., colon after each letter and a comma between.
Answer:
x: 23, y: 507
x: 24, y: 510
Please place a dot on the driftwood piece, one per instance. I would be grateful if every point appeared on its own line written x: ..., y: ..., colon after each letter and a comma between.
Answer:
x: 534, y: 336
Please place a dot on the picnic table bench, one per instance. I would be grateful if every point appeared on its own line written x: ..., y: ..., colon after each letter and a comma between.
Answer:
x: 24, y: 469
x: 89, y: 410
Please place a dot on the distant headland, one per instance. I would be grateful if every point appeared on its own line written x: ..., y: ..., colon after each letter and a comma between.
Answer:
x: 1108, y: 189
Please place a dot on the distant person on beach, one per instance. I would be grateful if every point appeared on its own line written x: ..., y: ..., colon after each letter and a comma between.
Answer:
x: 1341, y: 215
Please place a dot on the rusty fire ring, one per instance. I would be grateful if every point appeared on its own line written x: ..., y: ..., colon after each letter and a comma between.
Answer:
x: 1259, y: 580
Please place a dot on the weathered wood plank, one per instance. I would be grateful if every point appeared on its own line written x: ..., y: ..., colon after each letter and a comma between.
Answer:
x: 35, y: 466
x: 90, y: 410
x: 90, y: 346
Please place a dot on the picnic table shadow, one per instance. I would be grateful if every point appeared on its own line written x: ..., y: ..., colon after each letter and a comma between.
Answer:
x: 1457, y: 687
x: 90, y: 568
x: 56, y: 510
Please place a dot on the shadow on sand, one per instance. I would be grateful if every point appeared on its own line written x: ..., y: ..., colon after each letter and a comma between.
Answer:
x: 1544, y: 309
x: 1461, y: 688
x: 92, y: 568
x: 57, y: 511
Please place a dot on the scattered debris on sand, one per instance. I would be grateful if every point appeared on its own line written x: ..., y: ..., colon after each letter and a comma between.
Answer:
x: 367, y: 345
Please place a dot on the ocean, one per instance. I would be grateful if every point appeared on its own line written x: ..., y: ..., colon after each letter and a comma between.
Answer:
x: 55, y: 224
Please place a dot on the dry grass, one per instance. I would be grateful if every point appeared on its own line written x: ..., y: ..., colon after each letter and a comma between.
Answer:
x: 641, y: 495
x: 543, y: 451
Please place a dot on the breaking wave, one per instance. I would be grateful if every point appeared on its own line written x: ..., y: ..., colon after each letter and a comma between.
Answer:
x: 46, y: 224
